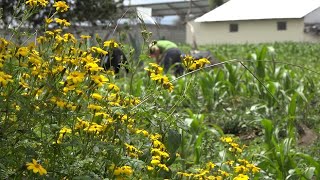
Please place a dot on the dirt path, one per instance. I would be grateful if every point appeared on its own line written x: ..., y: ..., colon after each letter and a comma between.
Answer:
x: 307, y: 137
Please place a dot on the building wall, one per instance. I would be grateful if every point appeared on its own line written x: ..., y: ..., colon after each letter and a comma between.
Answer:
x: 313, y: 17
x: 257, y: 31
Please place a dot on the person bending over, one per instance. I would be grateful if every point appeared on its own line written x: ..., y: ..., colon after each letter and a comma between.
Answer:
x: 166, y: 54
x: 114, y: 60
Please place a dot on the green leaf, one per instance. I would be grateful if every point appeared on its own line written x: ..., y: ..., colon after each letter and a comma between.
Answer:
x: 173, y: 141
x: 293, y: 105
x: 197, y: 146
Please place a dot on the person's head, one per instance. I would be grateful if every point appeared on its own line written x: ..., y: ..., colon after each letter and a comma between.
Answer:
x: 154, y: 50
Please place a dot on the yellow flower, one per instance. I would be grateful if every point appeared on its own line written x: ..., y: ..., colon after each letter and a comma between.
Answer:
x: 94, y: 107
x: 230, y: 163
x: 110, y: 43
x: 241, y: 177
x: 81, y: 124
x: 96, y: 96
x: 150, y: 168
x: 48, y: 20
x: 168, y: 86
x: 224, y: 173
x: 210, y: 165
x: 69, y: 37
x: 75, y: 77
x: 100, y: 80
x: 113, y: 87
x: 127, y: 170
x: 34, y: 3
x: 43, y: 3
x: 65, y: 130
x: 85, y: 36
x: 155, y: 162
x: 99, y: 50
x: 62, y: 22
x: 36, y: 167
x: 61, y: 6
x: 61, y: 103
x: 226, y: 139
x: 164, y: 167
x: 94, y: 127
x: 144, y: 132
x: 5, y: 79
x: 94, y: 67
x: 240, y: 169
x: 23, y: 51
x: 253, y: 168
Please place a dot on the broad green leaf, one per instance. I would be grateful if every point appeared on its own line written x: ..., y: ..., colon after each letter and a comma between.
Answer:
x: 293, y: 105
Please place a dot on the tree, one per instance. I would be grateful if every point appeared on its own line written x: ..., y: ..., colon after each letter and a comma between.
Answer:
x: 94, y: 11
x: 90, y: 11
x: 215, y: 3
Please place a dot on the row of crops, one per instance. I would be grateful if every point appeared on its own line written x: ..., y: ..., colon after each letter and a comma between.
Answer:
x: 62, y: 116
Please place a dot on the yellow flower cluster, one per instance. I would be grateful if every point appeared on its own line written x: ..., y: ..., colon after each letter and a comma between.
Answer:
x: 90, y: 127
x: 111, y: 44
x: 99, y: 50
x: 61, y: 6
x: 63, y: 104
x: 233, y: 146
x: 244, y: 167
x: 5, y: 79
x: 35, y: 3
x: 208, y: 172
x: 192, y: 64
x: 132, y: 151
x: 142, y: 131
x: 62, y: 134
x: 57, y: 74
x: 239, y: 170
x: 155, y: 73
x: 122, y: 172
x: 159, y: 154
x: 62, y: 22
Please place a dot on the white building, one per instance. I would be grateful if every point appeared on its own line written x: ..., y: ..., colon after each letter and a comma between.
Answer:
x: 257, y: 21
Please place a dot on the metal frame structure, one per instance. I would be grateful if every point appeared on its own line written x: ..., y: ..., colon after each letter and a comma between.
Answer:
x: 178, y: 8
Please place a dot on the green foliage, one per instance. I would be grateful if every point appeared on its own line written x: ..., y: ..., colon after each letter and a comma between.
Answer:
x: 61, y: 112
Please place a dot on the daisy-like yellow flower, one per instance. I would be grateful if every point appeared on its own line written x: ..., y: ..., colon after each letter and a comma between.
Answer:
x: 141, y: 131
x: 61, y: 6
x: 62, y: 22
x: 93, y: 67
x: 48, y: 20
x: 226, y: 139
x: 76, y: 77
x: 65, y: 130
x: 100, y: 80
x: 99, y: 50
x: 94, y: 127
x: 94, y: 107
x: 96, y: 96
x: 241, y: 177
x: 36, y: 167
x: 81, y: 124
x: 110, y: 43
x: 114, y: 87
x: 34, y: 3
x: 22, y: 51
x: 124, y: 170
x: 5, y: 79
